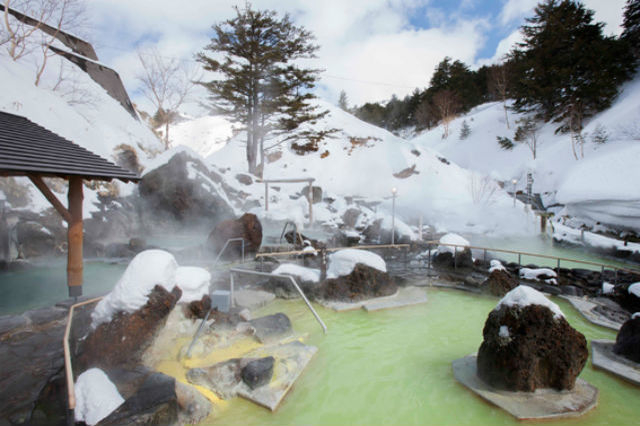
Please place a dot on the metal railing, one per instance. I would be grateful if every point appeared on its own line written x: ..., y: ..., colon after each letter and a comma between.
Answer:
x: 558, y: 259
x: 284, y: 277
x: 224, y: 247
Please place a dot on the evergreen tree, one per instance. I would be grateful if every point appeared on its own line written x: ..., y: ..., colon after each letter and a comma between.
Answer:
x: 465, y: 130
x: 631, y: 25
x: 261, y: 85
x: 343, y: 101
x: 567, y: 69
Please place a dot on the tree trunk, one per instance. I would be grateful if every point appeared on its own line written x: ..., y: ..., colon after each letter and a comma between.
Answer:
x: 166, y: 134
x: 506, y: 116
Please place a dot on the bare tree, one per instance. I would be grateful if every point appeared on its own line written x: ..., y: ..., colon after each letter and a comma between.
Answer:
x: 527, y: 133
x: 167, y: 83
x: 446, y: 105
x: 498, y: 85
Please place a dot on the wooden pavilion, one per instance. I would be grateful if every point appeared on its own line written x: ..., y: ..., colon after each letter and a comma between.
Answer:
x: 27, y: 149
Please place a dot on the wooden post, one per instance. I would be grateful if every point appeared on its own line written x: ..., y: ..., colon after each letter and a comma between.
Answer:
x: 74, y: 237
x: 310, y: 202
x: 266, y: 196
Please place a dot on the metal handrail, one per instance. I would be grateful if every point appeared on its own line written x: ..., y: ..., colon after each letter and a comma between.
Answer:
x: 215, y: 262
x: 67, y: 353
x: 544, y: 256
x: 285, y: 277
x: 297, y: 252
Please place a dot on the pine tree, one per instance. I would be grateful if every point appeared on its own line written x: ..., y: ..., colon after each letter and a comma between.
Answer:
x: 261, y: 85
x: 631, y: 25
x: 343, y: 101
x: 465, y: 130
x: 567, y: 69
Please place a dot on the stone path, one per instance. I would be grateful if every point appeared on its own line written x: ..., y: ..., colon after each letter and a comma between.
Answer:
x: 541, y: 404
x: 603, y: 357
x: 587, y: 310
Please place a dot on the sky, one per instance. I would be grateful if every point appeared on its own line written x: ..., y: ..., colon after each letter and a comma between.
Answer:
x: 371, y: 49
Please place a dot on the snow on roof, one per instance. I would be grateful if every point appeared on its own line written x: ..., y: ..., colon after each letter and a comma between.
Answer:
x: 634, y: 289
x: 194, y: 283
x: 96, y: 396
x: 148, y: 269
x: 524, y: 296
x: 344, y: 261
x: 452, y: 239
x: 305, y: 274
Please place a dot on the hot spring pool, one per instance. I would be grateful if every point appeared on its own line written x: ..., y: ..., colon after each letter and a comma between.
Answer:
x: 394, y: 367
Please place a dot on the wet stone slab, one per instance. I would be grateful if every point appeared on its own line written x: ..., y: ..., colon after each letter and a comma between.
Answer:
x: 603, y: 357
x: 405, y: 296
x: 538, y: 405
x: 588, y: 309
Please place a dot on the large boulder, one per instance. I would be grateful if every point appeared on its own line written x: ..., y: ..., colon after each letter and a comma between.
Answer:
x: 528, y: 344
x: 500, y: 282
x: 364, y: 282
x: 184, y: 189
x: 246, y: 226
x: 258, y: 372
x: 122, y: 341
x: 628, y: 339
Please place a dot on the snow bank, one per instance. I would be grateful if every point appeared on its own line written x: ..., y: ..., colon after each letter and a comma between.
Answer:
x: 524, y: 296
x: 579, y: 237
x: 535, y: 274
x: 342, y: 262
x: 193, y: 281
x: 635, y: 315
x: 96, y: 396
x: 634, y: 289
x: 607, y: 288
x: 305, y: 274
x: 148, y: 269
x: 496, y: 265
x: 452, y: 239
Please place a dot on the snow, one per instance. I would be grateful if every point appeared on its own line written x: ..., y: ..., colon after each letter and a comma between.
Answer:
x: 204, y: 135
x: 496, y: 265
x: 454, y: 239
x: 575, y: 236
x: 607, y: 288
x: 305, y: 274
x: 634, y: 289
x: 504, y: 331
x: 194, y: 283
x: 635, y: 315
x: 344, y: 261
x: 535, y: 274
x: 524, y: 296
x: 148, y: 269
x: 96, y: 396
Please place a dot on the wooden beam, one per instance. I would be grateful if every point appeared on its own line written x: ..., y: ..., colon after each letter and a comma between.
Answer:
x: 74, y: 237
x: 39, y: 183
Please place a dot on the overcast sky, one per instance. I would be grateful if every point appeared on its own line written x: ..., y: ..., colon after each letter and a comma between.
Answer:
x: 371, y: 49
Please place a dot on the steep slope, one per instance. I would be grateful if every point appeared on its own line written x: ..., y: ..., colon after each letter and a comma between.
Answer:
x: 597, y: 188
x: 363, y: 162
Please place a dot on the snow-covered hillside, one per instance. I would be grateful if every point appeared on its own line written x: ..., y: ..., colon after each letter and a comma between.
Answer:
x: 364, y: 162
x: 601, y: 187
x: 204, y: 135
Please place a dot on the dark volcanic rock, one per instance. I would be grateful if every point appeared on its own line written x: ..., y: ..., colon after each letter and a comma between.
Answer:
x: 122, y: 341
x: 628, y: 340
x: 500, y: 283
x: 170, y: 190
x: 316, y: 193
x: 271, y: 327
x: 463, y: 259
x: 198, y: 308
x: 247, y: 226
x: 364, y: 282
x: 258, y: 372
x: 539, y: 351
x: 154, y: 403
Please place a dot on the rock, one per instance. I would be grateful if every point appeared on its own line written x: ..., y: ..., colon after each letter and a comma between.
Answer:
x: 500, y: 283
x: 198, y: 308
x: 45, y: 315
x: 258, y: 372
x: 628, y: 340
x: 271, y: 327
x: 247, y: 226
x: 122, y: 341
x: 155, y: 402
x: 222, y: 378
x: 526, y: 348
x: 181, y: 190
x: 10, y: 322
x: 350, y: 217
x: 316, y: 193
x: 571, y: 290
x: 252, y: 299
x: 35, y: 239
x: 463, y: 260
x: 192, y: 405
x: 244, y: 179
x: 364, y: 282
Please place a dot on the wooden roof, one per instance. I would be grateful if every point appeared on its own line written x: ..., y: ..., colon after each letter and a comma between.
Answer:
x: 27, y: 148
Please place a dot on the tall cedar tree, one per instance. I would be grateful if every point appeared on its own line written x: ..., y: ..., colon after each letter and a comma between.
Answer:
x: 631, y: 25
x: 567, y: 70
x: 261, y: 87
